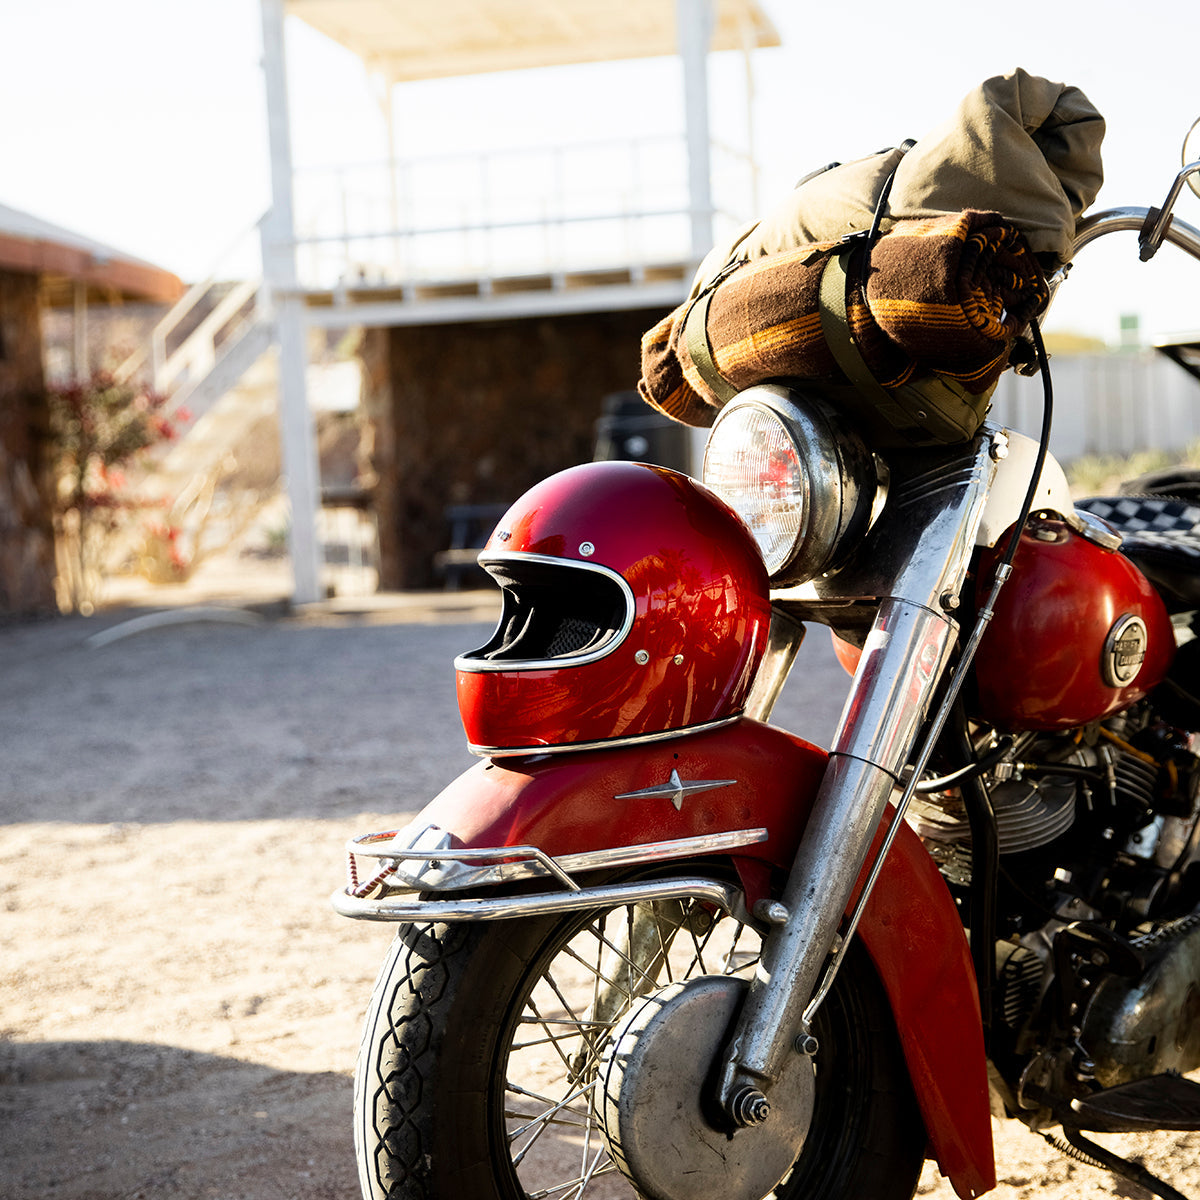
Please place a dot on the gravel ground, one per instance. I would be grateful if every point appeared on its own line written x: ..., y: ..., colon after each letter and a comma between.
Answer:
x: 179, y: 1006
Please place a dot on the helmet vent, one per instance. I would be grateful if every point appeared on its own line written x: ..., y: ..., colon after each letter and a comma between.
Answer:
x: 573, y: 635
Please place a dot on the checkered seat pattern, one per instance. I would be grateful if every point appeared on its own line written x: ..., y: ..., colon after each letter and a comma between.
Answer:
x: 1162, y: 537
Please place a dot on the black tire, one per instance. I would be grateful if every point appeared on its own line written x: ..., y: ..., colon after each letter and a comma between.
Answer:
x: 433, y: 1078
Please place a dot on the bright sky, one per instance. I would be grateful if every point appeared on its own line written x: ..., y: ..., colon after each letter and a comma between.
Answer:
x: 142, y: 122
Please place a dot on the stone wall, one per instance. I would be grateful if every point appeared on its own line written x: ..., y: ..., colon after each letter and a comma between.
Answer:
x: 476, y: 413
x: 26, y: 531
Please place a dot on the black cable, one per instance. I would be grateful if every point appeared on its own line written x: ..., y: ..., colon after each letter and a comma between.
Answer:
x: 1039, y: 346
x: 977, y: 767
x: 1072, y: 769
x: 985, y: 853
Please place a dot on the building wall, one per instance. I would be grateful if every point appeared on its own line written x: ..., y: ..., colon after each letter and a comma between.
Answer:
x: 26, y: 532
x: 475, y: 413
x: 112, y: 332
x: 1106, y: 404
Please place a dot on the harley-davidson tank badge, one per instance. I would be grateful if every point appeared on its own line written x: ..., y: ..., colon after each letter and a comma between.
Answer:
x: 1124, y: 651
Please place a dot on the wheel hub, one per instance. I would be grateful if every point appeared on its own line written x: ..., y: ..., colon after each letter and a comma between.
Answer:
x: 653, y: 1081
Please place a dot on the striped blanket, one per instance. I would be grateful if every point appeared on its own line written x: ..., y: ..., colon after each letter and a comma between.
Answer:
x: 946, y: 296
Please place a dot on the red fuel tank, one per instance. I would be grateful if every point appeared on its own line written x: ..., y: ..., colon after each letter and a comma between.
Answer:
x: 1078, y: 632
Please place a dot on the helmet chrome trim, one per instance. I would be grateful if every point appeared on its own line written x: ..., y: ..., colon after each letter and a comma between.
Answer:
x: 635, y: 739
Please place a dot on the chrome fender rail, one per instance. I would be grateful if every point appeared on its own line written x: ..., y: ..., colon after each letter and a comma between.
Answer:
x: 410, y: 907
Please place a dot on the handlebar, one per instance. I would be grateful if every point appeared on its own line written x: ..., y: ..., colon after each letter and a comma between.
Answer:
x: 1116, y: 220
x: 1153, y: 225
x: 1145, y: 222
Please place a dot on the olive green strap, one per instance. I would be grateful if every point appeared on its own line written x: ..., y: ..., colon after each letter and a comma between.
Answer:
x: 835, y: 325
x: 695, y: 336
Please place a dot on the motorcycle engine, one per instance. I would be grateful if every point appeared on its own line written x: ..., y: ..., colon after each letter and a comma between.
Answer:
x: 1030, y: 812
x: 1098, y: 826
x: 1108, y: 814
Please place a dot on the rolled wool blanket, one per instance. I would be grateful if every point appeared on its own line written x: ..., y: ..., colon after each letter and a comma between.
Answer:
x: 947, y: 296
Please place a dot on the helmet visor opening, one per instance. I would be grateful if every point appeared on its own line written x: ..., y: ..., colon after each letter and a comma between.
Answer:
x: 555, y: 611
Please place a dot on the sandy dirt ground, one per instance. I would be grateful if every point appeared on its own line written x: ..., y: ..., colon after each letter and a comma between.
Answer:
x: 179, y: 1005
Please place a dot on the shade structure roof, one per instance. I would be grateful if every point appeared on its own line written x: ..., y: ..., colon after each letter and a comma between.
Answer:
x: 412, y: 39
x: 62, y: 259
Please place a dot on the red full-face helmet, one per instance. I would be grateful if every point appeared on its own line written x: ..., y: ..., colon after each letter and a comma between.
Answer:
x: 635, y: 606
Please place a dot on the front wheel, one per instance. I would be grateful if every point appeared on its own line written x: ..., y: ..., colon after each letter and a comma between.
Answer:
x: 477, y: 1074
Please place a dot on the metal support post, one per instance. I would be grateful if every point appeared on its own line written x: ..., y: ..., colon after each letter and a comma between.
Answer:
x: 281, y: 281
x: 694, y: 21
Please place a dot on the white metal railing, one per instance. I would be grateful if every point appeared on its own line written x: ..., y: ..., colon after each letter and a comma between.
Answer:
x: 197, y: 354
x: 455, y: 216
x: 228, y: 297
x: 506, y: 212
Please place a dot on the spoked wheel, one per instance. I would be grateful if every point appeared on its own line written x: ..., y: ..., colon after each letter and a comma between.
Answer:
x: 480, y: 1068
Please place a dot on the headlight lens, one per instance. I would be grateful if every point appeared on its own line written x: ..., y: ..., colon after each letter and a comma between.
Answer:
x: 755, y: 466
x: 797, y: 474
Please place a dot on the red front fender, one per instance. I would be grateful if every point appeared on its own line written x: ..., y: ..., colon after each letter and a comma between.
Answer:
x: 567, y: 804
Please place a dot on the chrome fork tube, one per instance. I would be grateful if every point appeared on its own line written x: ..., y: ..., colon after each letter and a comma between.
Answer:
x: 906, y: 649
x: 916, y: 561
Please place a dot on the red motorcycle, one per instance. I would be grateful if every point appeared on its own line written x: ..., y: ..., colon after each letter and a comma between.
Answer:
x: 653, y: 945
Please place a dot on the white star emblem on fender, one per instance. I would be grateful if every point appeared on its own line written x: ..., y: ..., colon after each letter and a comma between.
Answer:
x: 675, y: 789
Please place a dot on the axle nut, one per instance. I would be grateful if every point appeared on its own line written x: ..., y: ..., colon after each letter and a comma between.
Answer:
x: 750, y: 1107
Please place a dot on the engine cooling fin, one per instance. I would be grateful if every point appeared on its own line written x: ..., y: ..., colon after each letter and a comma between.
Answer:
x: 1020, y: 986
x: 1135, y: 779
x: 1029, y: 813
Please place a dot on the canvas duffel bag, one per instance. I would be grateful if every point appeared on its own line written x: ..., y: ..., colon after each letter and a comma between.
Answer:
x: 911, y: 329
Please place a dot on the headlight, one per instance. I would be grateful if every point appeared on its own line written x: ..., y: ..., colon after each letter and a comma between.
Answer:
x: 794, y: 471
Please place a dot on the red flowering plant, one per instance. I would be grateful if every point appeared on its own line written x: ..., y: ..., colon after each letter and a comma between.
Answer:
x: 173, y: 544
x: 100, y: 427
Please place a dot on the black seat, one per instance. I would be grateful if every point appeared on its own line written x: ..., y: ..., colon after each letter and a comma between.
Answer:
x: 1162, y: 538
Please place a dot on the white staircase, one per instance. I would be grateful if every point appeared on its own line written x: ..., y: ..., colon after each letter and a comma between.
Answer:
x: 217, y: 353
x: 212, y: 355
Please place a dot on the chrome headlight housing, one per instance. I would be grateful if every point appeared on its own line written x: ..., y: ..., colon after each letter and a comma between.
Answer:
x: 802, y: 480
